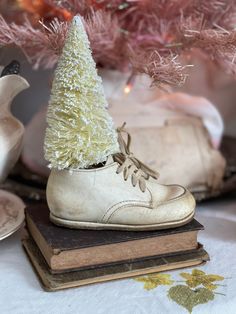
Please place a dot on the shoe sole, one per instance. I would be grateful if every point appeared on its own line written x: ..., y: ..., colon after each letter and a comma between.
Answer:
x: 101, y: 226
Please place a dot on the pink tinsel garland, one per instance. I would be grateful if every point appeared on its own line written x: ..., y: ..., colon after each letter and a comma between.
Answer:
x: 142, y: 36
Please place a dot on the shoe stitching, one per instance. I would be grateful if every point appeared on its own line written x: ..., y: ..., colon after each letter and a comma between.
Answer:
x: 112, y: 214
x: 174, y: 199
x: 136, y: 202
x: 185, y: 192
x: 151, y: 201
x: 138, y: 205
x: 127, y: 202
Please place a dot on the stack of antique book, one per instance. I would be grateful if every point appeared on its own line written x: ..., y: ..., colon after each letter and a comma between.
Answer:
x: 65, y: 258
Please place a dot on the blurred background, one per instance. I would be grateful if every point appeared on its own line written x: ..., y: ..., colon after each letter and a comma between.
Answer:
x: 168, y: 70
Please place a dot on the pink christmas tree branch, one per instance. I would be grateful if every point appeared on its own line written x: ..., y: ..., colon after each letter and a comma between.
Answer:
x: 141, y: 36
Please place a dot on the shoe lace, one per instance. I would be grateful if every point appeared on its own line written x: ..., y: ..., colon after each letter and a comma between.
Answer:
x: 129, y: 164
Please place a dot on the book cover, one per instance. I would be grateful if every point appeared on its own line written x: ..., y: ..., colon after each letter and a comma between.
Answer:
x: 54, y: 282
x: 68, y: 249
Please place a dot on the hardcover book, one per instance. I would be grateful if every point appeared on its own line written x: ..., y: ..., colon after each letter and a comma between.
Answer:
x: 54, y: 282
x: 67, y: 250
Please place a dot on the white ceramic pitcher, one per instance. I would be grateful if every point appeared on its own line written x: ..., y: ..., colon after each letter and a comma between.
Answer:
x: 11, y: 129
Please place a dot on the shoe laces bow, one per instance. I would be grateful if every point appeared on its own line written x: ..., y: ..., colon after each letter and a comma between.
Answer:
x: 129, y: 164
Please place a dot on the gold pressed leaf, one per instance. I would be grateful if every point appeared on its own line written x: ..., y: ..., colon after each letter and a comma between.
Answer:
x: 199, y: 277
x: 153, y: 281
x: 188, y: 298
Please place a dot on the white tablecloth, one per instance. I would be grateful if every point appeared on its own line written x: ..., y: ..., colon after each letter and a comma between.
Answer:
x: 21, y: 293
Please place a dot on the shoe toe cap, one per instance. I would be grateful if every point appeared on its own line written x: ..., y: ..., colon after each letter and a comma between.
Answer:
x: 179, y: 205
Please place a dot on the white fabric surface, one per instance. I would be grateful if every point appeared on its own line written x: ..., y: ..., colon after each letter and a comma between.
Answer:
x: 21, y: 293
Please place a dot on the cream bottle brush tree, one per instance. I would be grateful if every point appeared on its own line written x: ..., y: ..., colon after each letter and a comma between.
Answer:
x: 80, y: 131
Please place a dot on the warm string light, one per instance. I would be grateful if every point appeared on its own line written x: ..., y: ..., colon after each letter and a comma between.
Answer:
x: 127, y: 89
x: 43, y: 10
x: 129, y: 85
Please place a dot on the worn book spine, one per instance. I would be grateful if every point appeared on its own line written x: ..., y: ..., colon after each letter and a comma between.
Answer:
x: 67, y: 249
x: 70, y: 260
x: 52, y: 282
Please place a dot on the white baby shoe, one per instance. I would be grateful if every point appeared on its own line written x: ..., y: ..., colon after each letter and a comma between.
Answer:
x: 121, y: 195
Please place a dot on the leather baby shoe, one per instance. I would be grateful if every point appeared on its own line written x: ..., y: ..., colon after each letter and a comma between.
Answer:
x: 123, y: 194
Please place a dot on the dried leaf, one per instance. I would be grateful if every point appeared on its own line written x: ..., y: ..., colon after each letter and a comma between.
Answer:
x: 188, y: 298
x: 199, y: 277
x: 153, y: 281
